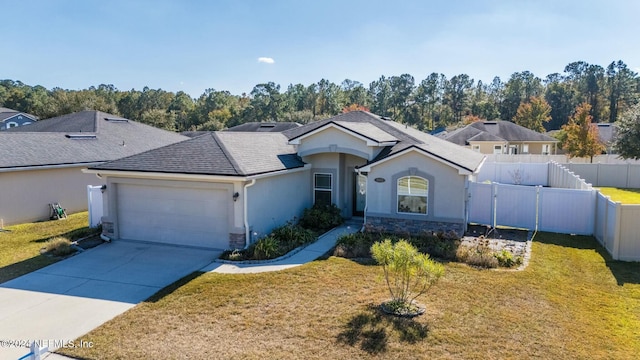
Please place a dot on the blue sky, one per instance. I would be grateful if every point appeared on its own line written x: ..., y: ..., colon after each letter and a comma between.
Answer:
x: 195, y: 45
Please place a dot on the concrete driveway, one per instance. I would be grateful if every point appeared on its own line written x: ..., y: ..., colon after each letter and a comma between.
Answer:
x: 64, y: 301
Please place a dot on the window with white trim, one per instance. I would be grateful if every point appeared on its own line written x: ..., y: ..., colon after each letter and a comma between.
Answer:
x: 545, y: 149
x: 475, y: 148
x: 497, y: 149
x: 322, y: 189
x: 11, y: 124
x: 413, y: 194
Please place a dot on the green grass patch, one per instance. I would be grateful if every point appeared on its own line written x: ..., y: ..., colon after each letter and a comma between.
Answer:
x: 571, y: 302
x: 625, y: 196
x: 20, y: 245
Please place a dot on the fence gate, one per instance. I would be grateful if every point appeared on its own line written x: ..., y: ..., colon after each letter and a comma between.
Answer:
x: 94, y: 196
x: 569, y: 211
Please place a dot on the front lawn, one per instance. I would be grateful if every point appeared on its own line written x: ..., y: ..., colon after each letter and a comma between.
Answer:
x: 571, y: 302
x: 625, y: 196
x: 20, y: 245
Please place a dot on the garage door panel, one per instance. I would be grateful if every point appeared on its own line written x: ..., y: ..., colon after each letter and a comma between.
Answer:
x: 185, y: 216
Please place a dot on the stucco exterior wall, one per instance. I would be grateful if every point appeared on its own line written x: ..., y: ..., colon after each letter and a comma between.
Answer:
x: 332, y: 140
x: 275, y: 200
x: 25, y: 195
x: 447, y: 194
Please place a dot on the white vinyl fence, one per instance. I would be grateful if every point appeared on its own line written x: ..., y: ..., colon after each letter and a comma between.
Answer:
x: 617, y: 228
x: 609, y: 175
x: 568, y: 211
x: 562, y: 159
x: 545, y: 174
x: 94, y: 196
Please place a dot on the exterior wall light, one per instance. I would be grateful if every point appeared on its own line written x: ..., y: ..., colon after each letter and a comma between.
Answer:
x: 236, y: 196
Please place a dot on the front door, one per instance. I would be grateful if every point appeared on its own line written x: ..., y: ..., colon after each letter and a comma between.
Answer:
x: 359, y: 194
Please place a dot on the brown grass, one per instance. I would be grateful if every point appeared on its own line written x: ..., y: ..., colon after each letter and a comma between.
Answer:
x: 571, y: 302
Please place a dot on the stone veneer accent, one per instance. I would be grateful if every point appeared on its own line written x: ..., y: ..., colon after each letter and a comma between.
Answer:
x: 236, y: 241
x: 107, y: 228
x: 412, y: 226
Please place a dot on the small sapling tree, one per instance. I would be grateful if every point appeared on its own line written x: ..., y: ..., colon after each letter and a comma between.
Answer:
x: 407, y: 272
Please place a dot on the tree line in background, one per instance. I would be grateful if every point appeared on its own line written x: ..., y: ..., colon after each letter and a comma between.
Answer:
x: 435, y: 102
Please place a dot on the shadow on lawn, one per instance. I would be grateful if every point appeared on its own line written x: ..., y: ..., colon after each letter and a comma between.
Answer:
x: 167, y: 290
x: 371, y: 330
x: 624, y: 272
x: 23, y: 267
x: 71, y: 235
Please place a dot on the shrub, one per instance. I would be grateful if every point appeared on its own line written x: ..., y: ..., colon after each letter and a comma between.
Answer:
x: 442, y: 245
x: 266, y: 248
x: 293, y: 235
x: 506, y: 259
x: 321, y: 217
x: 407, y: 272
x: 59, y: 246
x: 356, y: 245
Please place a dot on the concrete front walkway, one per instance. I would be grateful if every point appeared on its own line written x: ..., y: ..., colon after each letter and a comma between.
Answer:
x: 309, y: 253
x: 64, y: 301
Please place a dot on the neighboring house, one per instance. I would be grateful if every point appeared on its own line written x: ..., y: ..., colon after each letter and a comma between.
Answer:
x: 226, y: 189
x: 607, y: 133
x: 10, y: 118
x: 501, y: 137
x: 41, y: 163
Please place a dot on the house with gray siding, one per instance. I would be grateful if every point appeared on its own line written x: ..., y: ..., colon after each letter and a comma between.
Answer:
x: 227, y: 189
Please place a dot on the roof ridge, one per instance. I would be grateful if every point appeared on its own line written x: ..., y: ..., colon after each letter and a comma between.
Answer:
x: 227, y: 153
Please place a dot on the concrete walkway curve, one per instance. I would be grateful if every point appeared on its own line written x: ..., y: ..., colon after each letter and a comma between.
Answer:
x: 313, y: 251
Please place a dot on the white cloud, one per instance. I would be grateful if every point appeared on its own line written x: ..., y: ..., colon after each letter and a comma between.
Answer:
x: 266, y: 60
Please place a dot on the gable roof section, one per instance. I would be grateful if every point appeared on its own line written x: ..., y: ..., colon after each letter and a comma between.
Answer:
x: 215, y: 153
x: 404, y: 137
x: 496, y: 131
x: 55, y: 141
x: 6, y: 113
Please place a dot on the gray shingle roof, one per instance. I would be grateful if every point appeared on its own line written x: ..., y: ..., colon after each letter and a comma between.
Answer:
x: 405, y: 136
x: 233, y: 153
x: 264, y: 126
x: 48, y: 142
x: 215, y: 153
x: 495, y: 131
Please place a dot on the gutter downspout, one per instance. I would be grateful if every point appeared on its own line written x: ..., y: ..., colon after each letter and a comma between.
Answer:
x: 366, y: 200
x: 247, y: 232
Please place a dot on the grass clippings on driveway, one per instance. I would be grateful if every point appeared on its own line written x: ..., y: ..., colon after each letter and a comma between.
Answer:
x: 20, y: 245
x: 571, y: 302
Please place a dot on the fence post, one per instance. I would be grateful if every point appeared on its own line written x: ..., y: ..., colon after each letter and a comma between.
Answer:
x: 616, y: 233
x: 494, y: 191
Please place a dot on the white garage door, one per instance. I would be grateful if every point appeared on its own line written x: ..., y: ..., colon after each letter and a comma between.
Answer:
x: 183, y: 216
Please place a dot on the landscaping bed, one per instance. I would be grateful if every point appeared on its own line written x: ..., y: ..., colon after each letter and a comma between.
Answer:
x: 506, y: 248
x: 290, y: 236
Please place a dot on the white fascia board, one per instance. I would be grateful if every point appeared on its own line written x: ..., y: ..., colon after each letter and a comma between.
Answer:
x: 461, y: 170
x: 48, y: 167
x: 368, y: 141
x: 165, y: 176
x: 277, y: 173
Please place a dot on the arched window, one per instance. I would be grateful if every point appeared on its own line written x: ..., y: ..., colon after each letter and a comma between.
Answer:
x: 413, y: 194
